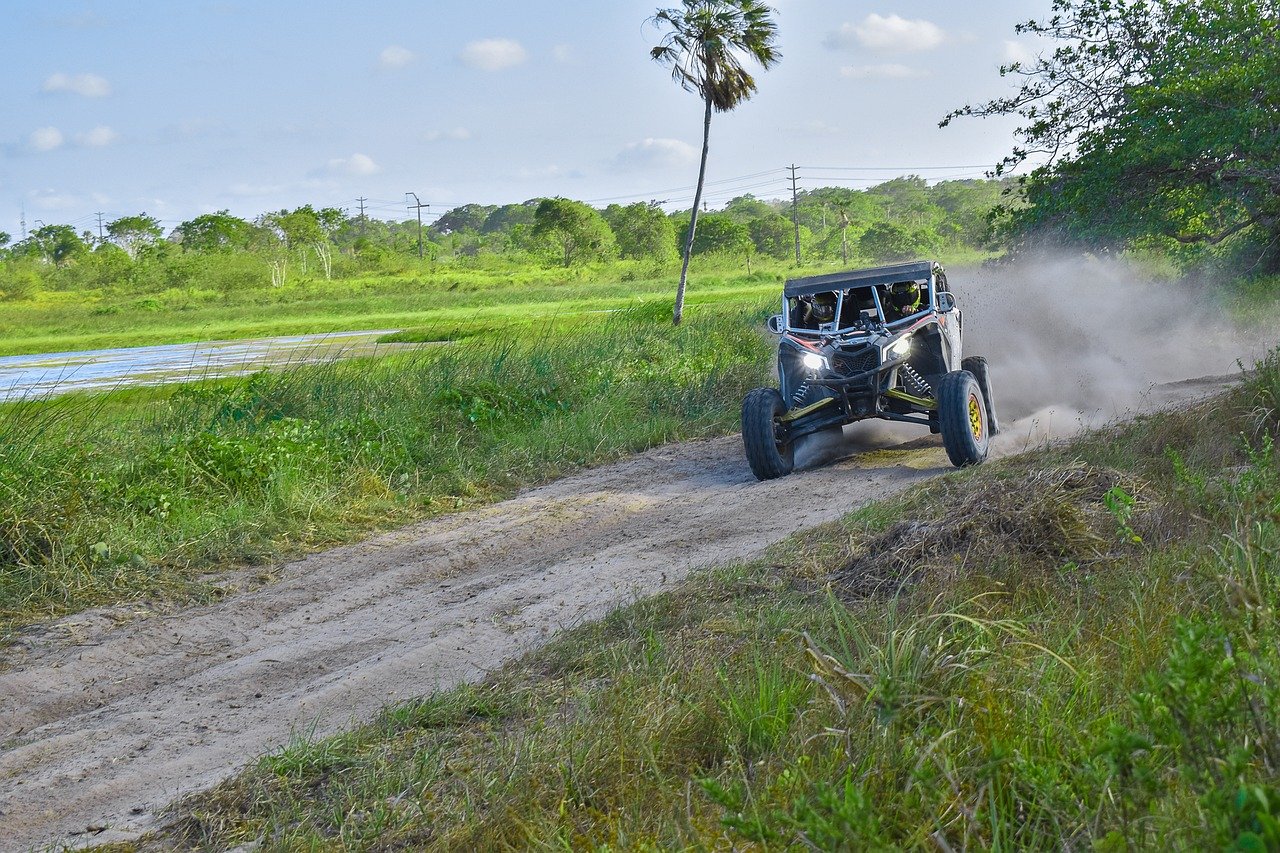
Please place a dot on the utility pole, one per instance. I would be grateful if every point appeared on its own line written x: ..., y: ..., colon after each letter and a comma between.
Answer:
x: 22, y: 219
x: 362, y: 200
x: 99, y: 215
x: 795, y: 203
x: 418, y: 205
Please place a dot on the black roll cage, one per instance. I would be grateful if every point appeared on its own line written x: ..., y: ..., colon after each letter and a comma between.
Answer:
x: 928, y: 272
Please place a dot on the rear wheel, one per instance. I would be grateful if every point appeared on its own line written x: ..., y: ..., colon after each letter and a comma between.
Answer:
x: 962, y: 414
x: 769, y: 452
x: 977, y: 365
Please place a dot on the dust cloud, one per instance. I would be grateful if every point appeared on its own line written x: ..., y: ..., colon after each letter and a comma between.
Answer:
x: 1074, y: 342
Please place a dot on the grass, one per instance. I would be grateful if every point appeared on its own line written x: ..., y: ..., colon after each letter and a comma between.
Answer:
x: 58, y: 321
x: 427, y: 299
x: 1075, y: 649
x: 135, y: 494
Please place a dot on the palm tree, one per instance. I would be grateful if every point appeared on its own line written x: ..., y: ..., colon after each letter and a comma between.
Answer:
x: 705, y: 44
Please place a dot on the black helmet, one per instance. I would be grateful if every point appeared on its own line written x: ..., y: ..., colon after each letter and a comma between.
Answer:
x: 905, y: 294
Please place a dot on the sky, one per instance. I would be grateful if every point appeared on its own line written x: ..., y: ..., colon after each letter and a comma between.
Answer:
x: 181, y: 108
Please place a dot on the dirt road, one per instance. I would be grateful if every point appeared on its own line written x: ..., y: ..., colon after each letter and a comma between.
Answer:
x: 102, y: 724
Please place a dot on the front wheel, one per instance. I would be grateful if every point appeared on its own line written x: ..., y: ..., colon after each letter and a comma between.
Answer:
x: 769, y: 452
x: 962, y: 415
x: 977, y: 365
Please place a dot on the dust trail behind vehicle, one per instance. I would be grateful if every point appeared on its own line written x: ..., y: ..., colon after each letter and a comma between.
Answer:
x: 1076, y: 342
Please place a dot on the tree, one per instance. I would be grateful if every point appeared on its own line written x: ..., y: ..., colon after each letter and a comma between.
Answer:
x: 215, y: 232
x: 507, y: 217
x: 774, y: 235
x: 1152, y: 117
x: 642, y: 231
x: 888, y: 241
x: 577, y: 231
x: 466, y: 217
x: 718, y: 233
x: 134, y: 233
x: 745, y: 208
x: 704, y: 46
x: 4, y: 239
x: 55, y: 244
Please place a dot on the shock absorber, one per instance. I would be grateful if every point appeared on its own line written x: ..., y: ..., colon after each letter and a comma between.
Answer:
x: 914, y: 381
x: 798, y: 397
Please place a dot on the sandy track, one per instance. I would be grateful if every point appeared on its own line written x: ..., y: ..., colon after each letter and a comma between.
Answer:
x: 101, y: 725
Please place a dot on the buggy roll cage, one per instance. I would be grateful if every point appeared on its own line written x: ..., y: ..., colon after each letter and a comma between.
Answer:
x: 928, y: 272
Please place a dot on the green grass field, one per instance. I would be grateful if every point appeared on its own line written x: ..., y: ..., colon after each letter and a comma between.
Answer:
x: 1074, y: 649
x: 136, y: 493
x: 63, y: 321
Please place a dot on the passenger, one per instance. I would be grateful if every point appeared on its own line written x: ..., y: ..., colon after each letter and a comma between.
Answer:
x: 905, y: 298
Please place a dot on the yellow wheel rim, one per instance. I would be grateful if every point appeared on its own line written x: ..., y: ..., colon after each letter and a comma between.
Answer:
x: 975, y: 417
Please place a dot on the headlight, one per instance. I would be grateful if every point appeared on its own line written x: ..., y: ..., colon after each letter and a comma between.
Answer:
x: 902, y: 346
x: 813, y: 361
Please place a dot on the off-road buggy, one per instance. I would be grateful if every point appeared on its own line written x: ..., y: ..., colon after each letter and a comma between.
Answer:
x: 873, y: 343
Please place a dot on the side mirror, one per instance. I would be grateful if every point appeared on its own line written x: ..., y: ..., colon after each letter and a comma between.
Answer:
x: 775, y: 324
x: 946, y: 302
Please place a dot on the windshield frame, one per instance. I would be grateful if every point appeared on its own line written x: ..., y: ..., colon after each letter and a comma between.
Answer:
x: 829, y: 330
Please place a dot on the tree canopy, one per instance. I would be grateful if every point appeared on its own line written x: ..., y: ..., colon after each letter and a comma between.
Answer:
x: 577, y: 231
x: 212, y: 232
x: 134, y: 233
x: 642, y: 231
x: 1150, y: 118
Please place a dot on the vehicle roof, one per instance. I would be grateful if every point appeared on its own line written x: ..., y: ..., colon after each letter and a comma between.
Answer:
x: 914, y: 271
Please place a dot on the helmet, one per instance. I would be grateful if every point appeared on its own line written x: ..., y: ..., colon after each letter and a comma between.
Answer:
x: 824, y: 307
x: 905, y: 295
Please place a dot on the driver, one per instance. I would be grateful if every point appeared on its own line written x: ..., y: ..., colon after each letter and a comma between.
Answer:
x: 820, y: 308
x: 904, y: 298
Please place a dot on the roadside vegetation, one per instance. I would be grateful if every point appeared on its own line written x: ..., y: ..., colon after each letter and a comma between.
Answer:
x: 135, y: 494
x: 1072, y: 648
x: 313, y: 271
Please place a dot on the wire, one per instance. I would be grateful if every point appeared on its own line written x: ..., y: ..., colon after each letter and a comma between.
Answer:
x: 686, y: 188
x: 891, y: 168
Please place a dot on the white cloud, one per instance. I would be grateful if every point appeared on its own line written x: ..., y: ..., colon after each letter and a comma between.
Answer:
x: 655, y: 154
x: 458, y: 133
x: 888, y: 33
x: 493, y: 54
x: 395, y: 56
x: 818, y: 127
x: 45, y: 138
x: 88, y: 85
x: 50, y: 199
x: 247, y: 189
x: 886, y: 71
x: 1016, y: 51
x: 561, y: 53
x: 357, y: 165
x: 537, y: 173
x: 98, y: 137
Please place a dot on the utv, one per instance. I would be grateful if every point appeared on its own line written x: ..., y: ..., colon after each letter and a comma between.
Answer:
x: 873, y: 343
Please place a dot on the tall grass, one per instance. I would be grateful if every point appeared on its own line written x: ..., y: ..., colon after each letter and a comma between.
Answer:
x: 1095, y: 673
x: 110, y: 497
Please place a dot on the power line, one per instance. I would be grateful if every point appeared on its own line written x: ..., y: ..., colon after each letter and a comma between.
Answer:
x: 893, y: 168
x: 685, y: 188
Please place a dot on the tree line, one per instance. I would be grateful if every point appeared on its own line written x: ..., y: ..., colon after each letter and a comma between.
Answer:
x: 898, y: 219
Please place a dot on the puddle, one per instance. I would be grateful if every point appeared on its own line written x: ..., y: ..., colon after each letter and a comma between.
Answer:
x: 49, y: 374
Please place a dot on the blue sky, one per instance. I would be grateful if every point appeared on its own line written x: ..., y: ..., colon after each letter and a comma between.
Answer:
x: 181, y: 108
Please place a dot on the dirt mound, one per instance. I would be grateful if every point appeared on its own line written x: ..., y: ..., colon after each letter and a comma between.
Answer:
x: 1073, y: 513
